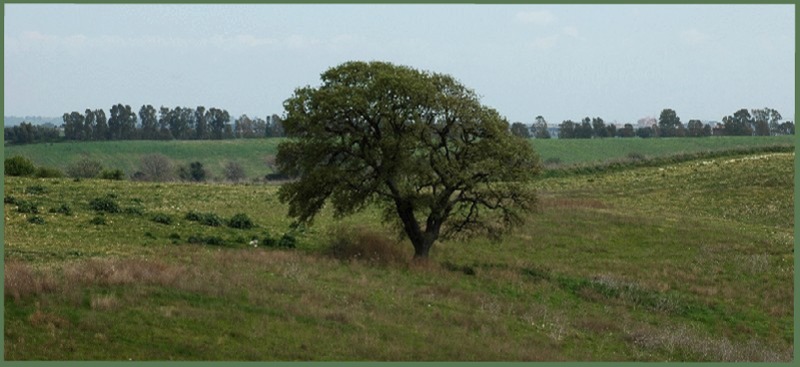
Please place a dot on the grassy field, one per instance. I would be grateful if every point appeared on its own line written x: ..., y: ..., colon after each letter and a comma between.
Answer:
x: 683, y: 262
x: 253, y: 153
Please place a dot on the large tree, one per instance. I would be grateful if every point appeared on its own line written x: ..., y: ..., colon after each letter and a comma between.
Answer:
x: 539, y: 128
x: 669, y: 124
x: 418, y: 144
x: 521, y: 130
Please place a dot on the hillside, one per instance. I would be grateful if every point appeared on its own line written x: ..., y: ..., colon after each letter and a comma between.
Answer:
x: 683, y: 262
x: 253, y: 153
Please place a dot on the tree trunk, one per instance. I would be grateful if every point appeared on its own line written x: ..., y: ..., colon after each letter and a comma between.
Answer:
x: 422, y: 249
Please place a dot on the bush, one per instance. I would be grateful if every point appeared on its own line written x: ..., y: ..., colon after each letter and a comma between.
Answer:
x: 62, y: 209
x: 132, y: 210
x: 157, y: 167
x: 240, y: 221
x: 98, y: 220
x: 287, y: 241
x: 193, y: 216
x: 210, y: 240
x: 162, y: 218
x: 18, y: 166
x: 48, y: 172
x: 36, y: 220
x: 195, y: 172
x: 115, y: 174
x: 209, y: 219
x: 268, y: 241
x: 35, y: 190
x: 84, y: 168
x: 8, y: 199
x: 364, y: 244
x: 27, y: 207
x: 234, y: 171
x: 105, y: 204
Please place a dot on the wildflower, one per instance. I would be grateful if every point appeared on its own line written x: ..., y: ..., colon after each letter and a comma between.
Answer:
x: 254, y: 243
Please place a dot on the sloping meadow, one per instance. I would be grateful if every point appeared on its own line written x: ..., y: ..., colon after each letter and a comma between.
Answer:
x: 683, y: 262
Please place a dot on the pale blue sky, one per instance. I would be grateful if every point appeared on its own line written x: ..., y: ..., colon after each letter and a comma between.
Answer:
x: 618, y: 62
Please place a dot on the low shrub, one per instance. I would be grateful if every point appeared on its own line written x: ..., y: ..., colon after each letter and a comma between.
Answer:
x: 8, y: 199
x: 48, y: 172
x: 133, y: 210
x: 98, y: 220
x: 35, y: 190
x: 115, y: 174
x: 162, y: 218
x: 18, y: 166
x: 365, y: 245
x: 269, y: 241
x: 208, y: 219
x: 240, y: 221
x: 210, y: 240
x: 27, y: 207
x: 105, y: 204
x: 84, y: 168
x: 36, y: 220
x: 287, y: 241
x: 62, y: 209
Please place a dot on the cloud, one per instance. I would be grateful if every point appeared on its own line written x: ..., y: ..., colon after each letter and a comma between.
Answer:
x: 544, y: 43
x: 572, y: 32
x: 540, y: 18
x: 694, y: 37
x: 28, y: 41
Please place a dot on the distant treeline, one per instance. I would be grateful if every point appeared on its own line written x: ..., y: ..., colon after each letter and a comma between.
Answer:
x: 757, y: 122
x: 122, y: 123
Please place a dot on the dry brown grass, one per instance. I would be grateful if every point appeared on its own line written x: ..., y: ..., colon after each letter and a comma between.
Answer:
x: 363, y: 244
x: 21, y: 281
x: 695, y: 344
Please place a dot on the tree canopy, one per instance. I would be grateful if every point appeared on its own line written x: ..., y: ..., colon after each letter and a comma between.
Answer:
x: 418, y: 144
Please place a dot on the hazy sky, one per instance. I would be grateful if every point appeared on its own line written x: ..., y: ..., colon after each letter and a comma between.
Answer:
x: 618, y: 62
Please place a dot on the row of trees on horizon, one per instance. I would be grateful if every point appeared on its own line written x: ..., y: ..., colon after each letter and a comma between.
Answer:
x: 756, y: 122
x: 122, y: 123
x: 185, y: 123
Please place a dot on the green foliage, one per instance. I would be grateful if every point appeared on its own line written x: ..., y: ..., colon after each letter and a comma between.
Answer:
x: 28, y: 207
x: 162, y: 218
x: 115, y: 174
x: 287, y: 241
x: 35, y: 219
x: 133, y: 210
x: 48, y: 172
x: 194, y: 173
x: 84, y: 168
x: 105, y: 204
x: 98, y: 220
x: 376, y: 132
x: 62, y: 209
x: 207, y: 240
x: 9, y: 199
x: 240, y: 221
x: 208, y: 219
x: 35, y: 190
x: 18, y: 166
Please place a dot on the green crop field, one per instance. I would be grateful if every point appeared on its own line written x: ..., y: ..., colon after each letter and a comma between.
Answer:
x: 253, y: 154
x: 689, y: 261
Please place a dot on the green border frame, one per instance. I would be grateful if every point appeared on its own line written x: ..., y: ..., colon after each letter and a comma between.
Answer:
x: 425, y: 364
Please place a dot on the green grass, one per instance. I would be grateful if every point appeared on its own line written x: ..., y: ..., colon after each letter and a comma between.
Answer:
x: 581, y: 151
x: 688, y: 261
x: 252, y: 153
x: 127, y: 155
